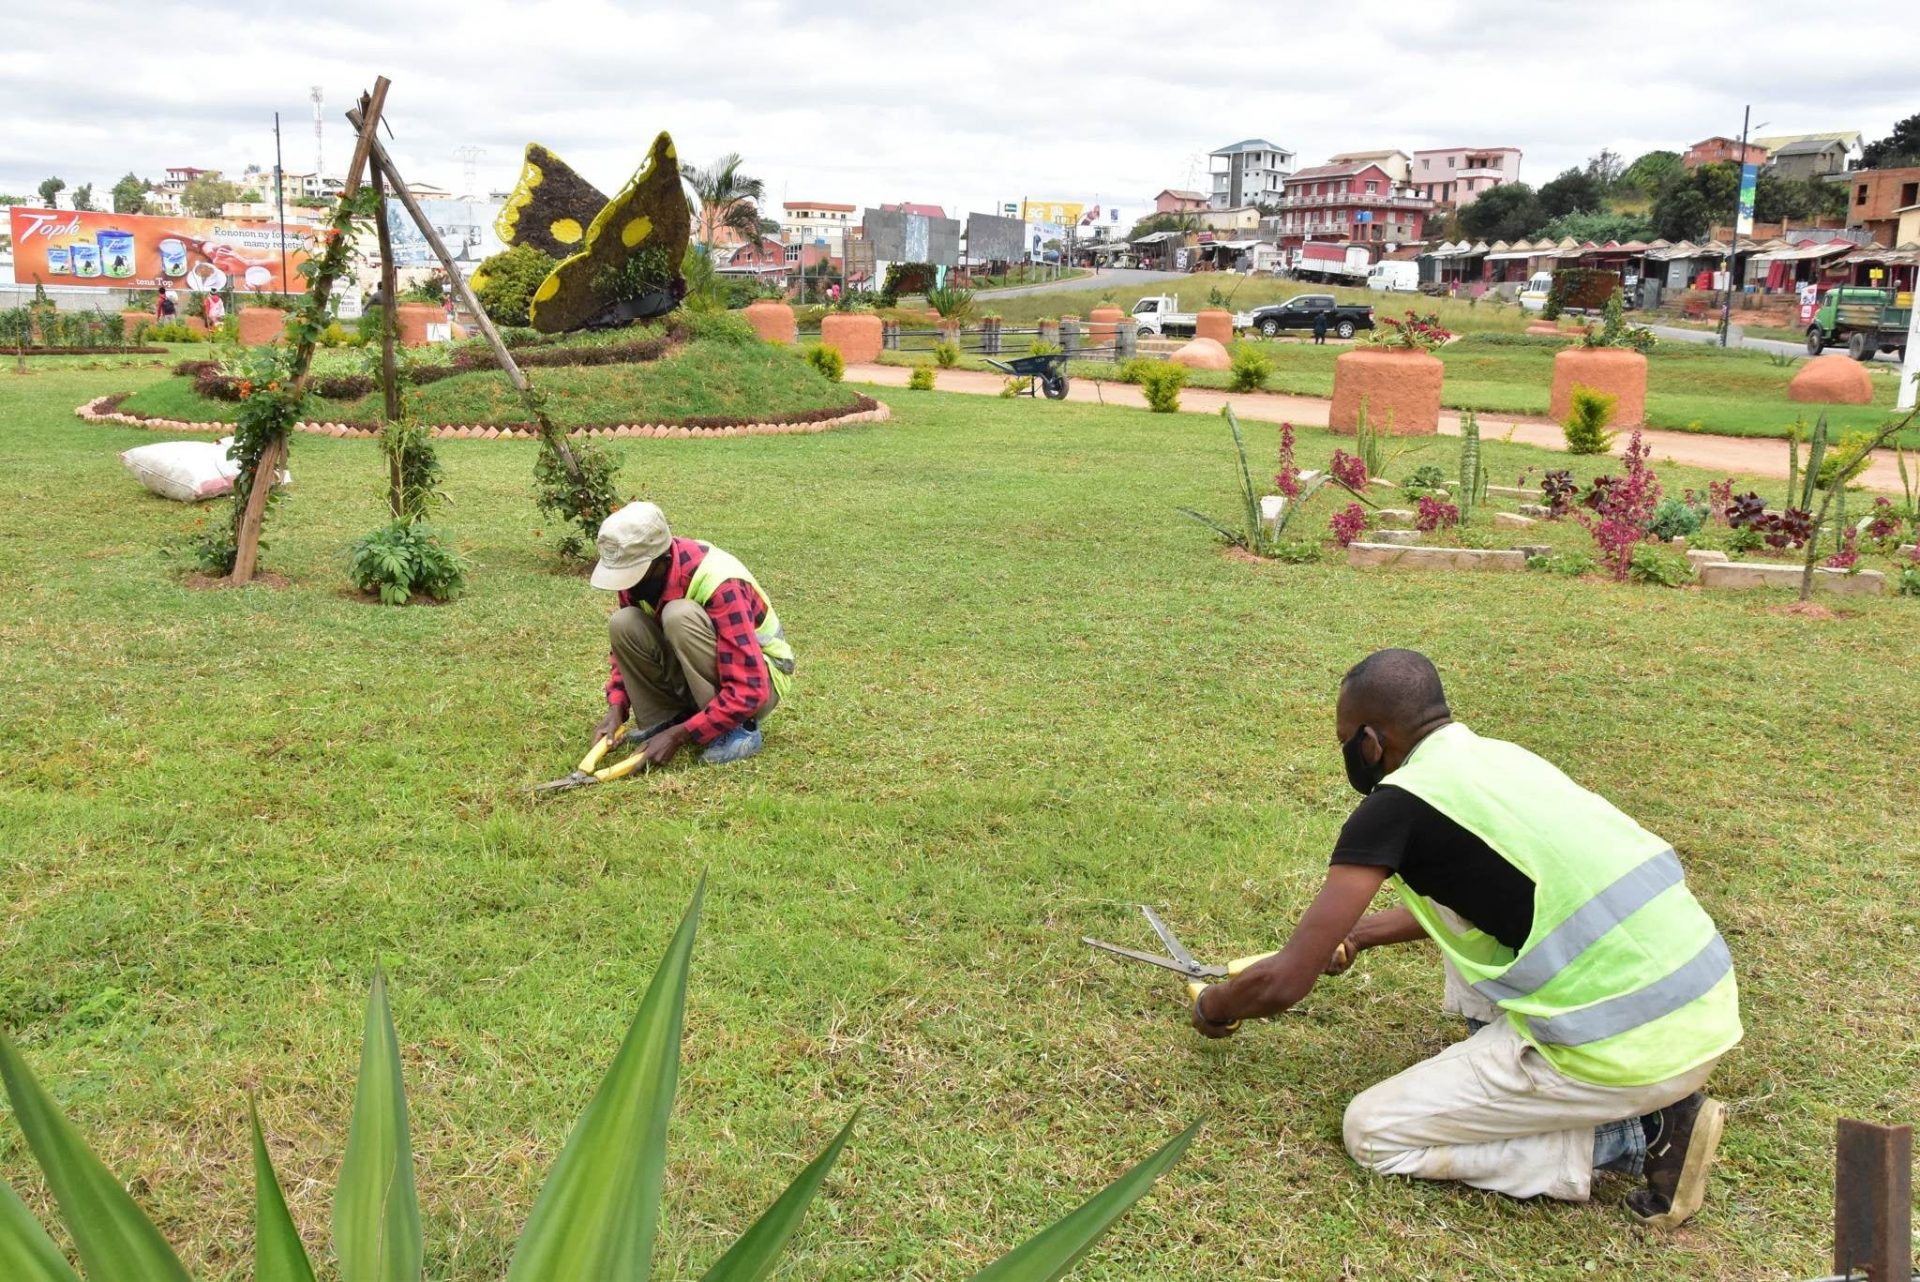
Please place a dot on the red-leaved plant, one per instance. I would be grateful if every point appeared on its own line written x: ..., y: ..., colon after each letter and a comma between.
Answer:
x: 1348, y: 524
x: 1435, y: 515
x: 1287, y: 479
x: 1623, y: 508
x: 1349, y: 470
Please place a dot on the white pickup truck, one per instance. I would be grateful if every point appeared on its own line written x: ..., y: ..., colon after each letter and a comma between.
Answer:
x: 1159, y: 315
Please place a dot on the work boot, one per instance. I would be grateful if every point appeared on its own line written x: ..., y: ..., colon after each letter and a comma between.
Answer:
x: 735, y: 745
x: 1678, y: 1158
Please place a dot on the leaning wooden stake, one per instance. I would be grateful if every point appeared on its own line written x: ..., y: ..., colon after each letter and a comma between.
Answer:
x: 555, y: 439
x: 389, y: 364
x: 247, y: 541
x: 1873, y: 1200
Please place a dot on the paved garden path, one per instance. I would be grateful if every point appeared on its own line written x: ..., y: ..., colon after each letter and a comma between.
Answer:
x: 1751, y: 456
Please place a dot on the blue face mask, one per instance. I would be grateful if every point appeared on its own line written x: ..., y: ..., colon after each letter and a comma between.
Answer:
x: 1364, y: 775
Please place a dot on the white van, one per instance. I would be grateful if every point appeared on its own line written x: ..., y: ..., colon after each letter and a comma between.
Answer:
x: 1534, y: 296
x: 1402, y: 277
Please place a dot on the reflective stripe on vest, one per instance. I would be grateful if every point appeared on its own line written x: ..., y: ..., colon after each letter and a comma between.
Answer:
x: 1623, y: 979
x: 1629, y: 1011
x: 1535, y: 968
x: 716, y: 567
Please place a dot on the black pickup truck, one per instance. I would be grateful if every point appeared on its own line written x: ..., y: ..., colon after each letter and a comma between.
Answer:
x: 1343, y: 319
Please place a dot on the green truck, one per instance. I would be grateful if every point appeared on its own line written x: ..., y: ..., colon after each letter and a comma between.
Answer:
x: 1864, y: 321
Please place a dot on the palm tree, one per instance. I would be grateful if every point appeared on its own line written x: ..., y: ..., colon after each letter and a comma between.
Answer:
x: 724, y: 199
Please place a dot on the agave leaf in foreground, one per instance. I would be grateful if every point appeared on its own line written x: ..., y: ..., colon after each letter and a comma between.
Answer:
x: 113, y: 1235
x: 1051, y: 1252
x: 376, y: 1213
x: 278, y: 1255
x: 597, y: 1215
x: 27, y: 1254
x: 758, y: 1250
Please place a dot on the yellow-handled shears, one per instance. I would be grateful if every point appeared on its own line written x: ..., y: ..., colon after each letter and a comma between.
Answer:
x: 1177, y: 958
x: 590, y: 771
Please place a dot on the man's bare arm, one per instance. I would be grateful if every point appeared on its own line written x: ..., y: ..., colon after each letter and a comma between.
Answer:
x: 1269, y: 987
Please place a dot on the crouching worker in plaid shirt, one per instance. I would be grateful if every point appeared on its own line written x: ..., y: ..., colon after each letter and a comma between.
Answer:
x: 698, y: 653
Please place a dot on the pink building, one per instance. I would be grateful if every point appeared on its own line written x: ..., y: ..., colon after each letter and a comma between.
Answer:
x: 1458, y: 175
x: 1171, y: 201
x: 1350, y: 203
x: 1718, y: 150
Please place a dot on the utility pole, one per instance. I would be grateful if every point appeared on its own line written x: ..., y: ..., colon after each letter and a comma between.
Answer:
x: 280, y: 202
x: 1733, y: 242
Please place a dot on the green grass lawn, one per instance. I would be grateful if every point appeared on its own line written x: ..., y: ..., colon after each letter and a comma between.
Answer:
x: 703, y: 379
x: 1030, y: 696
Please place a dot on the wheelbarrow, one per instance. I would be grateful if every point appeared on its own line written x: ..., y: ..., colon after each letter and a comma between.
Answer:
x: 1043, y: 373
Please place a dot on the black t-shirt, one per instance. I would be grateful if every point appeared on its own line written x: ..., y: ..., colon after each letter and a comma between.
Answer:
x: 1395, y: 830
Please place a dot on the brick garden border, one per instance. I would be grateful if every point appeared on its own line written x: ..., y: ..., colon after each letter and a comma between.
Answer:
x: 865, y: 409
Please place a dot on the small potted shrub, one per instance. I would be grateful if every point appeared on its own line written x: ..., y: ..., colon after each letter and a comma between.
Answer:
x: 1395, y: 379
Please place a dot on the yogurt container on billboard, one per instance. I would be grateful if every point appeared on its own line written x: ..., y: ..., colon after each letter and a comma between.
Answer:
x: 116, y: 251
x: 59, y: 260
x: 86, y: 258
x: 173, y: 257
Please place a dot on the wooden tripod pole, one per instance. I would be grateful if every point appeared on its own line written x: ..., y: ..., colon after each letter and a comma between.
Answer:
x: 247, y: 539
x: 555, y: 439
x: 389, y: 365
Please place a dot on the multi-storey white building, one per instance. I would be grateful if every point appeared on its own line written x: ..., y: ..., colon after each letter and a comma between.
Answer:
x: 1252, y: 171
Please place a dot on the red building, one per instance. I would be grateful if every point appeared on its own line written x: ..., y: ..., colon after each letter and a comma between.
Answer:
x: 1353, y: 202
x: 1714, y: 151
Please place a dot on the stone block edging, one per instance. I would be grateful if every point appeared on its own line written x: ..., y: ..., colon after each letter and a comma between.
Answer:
x: 104, y: 409
x: 1364, y: 555
x: 1756, y: 574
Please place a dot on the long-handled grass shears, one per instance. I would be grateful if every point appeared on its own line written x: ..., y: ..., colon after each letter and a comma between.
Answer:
x: 590, y: 771
x: 1177, y: 958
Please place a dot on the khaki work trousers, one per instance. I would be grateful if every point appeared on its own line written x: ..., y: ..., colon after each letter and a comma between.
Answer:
x: 669, y: 662
x: 1492, y: 1112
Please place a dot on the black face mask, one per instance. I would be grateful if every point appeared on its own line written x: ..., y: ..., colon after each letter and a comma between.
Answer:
x: 1364, y: 775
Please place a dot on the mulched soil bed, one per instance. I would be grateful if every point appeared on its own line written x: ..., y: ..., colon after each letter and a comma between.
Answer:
x: 106, y: 409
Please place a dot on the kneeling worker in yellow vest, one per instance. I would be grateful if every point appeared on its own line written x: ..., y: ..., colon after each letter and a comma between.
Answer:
x: 699, y: 656
x: 1598, y: 991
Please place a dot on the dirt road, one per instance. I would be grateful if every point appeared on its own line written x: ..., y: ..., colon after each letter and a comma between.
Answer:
x: 1750, y: 456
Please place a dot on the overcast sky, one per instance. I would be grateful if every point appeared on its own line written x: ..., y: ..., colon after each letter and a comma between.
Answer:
x: 961, y: 105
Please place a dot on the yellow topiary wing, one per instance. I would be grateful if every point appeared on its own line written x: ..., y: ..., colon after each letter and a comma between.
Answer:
x: 649, y: 217
x: 551, y: 206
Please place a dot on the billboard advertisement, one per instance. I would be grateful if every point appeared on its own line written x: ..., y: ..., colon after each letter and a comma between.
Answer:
x: 465, y: 226
x: 139, y: 251
x: 992, y: 239
x: 1065, y: 212
x: 1749, y: 191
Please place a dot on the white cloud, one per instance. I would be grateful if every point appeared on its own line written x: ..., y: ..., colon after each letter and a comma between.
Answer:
x: 865, y: 101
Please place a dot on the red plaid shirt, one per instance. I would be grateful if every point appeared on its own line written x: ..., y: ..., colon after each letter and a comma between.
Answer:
x: 736, y: 609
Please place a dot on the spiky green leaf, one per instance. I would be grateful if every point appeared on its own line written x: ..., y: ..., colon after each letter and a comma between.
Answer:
x: 597, y: 1215
x: 27, y: 1254
x: 278, y: 1255
x: 113, y: 1235
x: 1053, y: 1251
x: 376, y: 1213
x: 758, y: 1250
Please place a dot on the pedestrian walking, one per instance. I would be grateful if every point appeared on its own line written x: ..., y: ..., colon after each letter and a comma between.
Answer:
x: 1320, y: 328
x: 163, y: 306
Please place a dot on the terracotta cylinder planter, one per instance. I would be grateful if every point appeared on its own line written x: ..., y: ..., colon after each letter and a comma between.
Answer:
x: 1616, y: 371
x: 772, y: 321
x: 260, y: 326
x: 1103, y: 323
x: 854, y: 335
x: 1399, y: 387
x: 411, y: 321
x: 1215, y: 324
